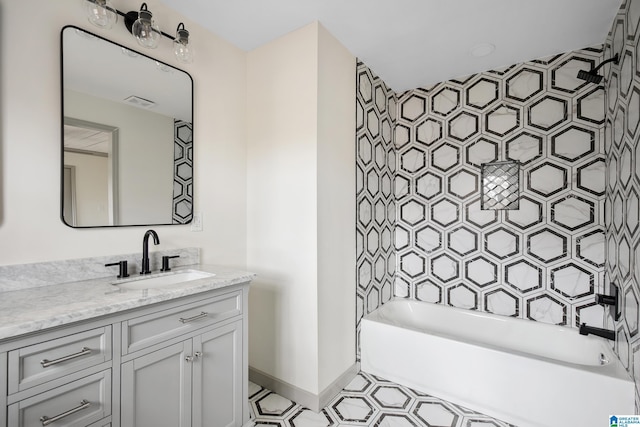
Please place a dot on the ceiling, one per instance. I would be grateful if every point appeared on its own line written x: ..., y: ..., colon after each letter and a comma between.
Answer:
x: 417, y: 43
x: 84, y: 140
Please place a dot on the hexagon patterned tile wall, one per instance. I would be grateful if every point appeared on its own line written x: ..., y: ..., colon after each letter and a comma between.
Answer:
x: 183, y: 172
x: 541, y: 262
x: 376, y: 186
x: 622, y: 146
x: 577, y: 228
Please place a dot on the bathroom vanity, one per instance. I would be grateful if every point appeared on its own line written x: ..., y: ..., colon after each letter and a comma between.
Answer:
x: 96, y: 354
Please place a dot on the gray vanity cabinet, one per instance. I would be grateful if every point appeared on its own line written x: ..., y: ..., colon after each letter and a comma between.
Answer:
x: 179, y: 363
x: 196, y: 382
x: 171, y: 381
x: 60, y: 378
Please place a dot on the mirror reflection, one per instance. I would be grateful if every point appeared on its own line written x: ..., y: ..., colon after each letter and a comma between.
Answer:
x: 127, y: 136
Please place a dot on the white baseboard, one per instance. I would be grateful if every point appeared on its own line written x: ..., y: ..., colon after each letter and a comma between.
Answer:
x: 336, y: 386
x: 300, y: 396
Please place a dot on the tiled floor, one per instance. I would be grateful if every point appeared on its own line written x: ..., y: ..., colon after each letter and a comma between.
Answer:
x: 366, y: 401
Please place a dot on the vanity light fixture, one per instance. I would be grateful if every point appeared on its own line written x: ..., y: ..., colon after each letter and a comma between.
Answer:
x: 184, y: 52
x: 101, y: 13
x: 141, y: 25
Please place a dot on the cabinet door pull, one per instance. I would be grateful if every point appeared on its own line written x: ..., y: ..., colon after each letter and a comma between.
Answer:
x: 195, y: 357
x: 46, y: 420
x: 191, y: 319
x: 85, y: 351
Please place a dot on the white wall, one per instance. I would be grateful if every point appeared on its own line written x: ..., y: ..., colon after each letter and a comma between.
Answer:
x: 282, y: 207
x: 301, y: 210
x: 260, y: 206
x: 336, y: 208
x: 30, y: 225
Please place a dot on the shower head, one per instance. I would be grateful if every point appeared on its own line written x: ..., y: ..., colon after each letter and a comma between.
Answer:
x: 592, y: 75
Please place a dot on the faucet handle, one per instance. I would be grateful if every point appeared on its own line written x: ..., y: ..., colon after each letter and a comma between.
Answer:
x: 123, y: 272
x: 165, y: 262
x: 612, y: 301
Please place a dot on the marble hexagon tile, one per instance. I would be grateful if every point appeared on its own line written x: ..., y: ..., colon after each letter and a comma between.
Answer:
x: 367, y: 401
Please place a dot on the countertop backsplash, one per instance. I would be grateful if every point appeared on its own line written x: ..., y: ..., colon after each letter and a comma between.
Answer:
x: 25, y: 276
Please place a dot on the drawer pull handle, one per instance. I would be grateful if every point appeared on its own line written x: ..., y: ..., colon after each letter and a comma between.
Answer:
x: 46, y: 420
x: 85, y: 351
x: 191, y: 319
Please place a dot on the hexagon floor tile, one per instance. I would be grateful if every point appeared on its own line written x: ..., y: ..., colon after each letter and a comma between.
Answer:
x: 366, y: 401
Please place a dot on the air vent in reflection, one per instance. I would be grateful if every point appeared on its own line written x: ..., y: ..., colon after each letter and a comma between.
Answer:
x: 136, y: 101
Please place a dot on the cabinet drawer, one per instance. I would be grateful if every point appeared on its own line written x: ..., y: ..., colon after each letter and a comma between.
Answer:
x: 76, y: 404
x: 154, y: 328
x: 39, y: 363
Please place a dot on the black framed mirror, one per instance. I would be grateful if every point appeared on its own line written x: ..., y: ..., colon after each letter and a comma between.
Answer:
x: 127, y: 140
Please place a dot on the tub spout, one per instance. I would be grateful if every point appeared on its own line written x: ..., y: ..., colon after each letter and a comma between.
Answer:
x: 606, y: 299
x: 604, y: 333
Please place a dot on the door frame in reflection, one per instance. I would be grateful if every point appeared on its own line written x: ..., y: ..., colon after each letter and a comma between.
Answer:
x: 111, y: 153
x: 69, y: 188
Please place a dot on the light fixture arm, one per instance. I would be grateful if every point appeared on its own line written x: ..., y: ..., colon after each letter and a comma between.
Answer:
x: 614, y: 60
x: 182, y: 35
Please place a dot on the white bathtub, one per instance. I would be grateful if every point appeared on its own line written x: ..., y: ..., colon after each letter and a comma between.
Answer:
x: 526, y: 373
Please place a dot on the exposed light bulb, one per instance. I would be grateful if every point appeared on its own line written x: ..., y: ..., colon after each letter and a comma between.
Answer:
x: 101, y: 13
x: 145, y: 30
x: 181, y: 48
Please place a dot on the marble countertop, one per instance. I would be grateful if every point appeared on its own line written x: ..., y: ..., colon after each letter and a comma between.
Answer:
x: 31, y: 310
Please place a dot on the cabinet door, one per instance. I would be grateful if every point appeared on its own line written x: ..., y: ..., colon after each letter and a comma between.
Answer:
x: 217, y: 377
x: 156, y: 388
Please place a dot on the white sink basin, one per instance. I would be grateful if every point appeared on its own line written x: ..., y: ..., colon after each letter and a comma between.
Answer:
x: 164, y: 280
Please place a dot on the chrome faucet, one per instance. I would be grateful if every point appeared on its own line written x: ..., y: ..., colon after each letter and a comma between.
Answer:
x: 145, y: 250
